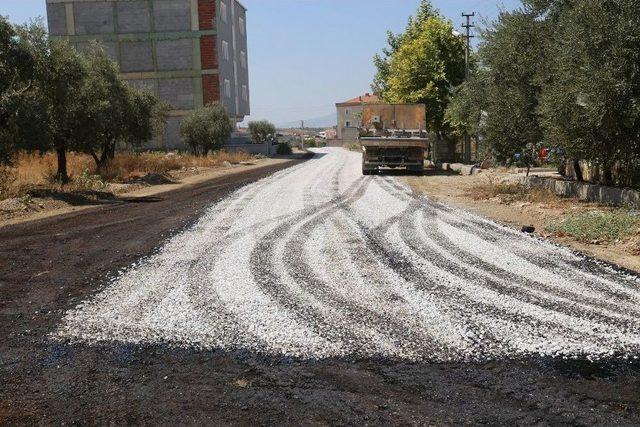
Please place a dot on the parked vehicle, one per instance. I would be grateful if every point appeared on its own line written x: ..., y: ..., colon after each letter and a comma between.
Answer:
x: 393, y: 153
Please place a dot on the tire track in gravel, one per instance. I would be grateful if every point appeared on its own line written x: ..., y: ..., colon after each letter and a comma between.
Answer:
x: 402, y: 277
x: 427, y: 337
x: 491, y: 312
x: 223, y: 212
x: 521, y: 304
x: 273, y: 284
x: 574, y: 305
x: 141, y: 298
x: 422, y: 281
x: 527, y: 287
x: 297, y: 266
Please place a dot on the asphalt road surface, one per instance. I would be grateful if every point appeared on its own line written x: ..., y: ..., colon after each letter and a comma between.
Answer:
x: 314, y: 295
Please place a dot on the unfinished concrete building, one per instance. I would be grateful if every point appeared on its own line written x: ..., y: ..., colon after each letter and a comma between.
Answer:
x: 188, y: 52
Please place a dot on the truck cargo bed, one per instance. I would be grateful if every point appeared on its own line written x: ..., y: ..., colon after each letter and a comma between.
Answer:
x: 395, y: 142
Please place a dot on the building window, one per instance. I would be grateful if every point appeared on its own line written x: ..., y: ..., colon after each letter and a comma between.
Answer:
x: 243, y: 59
x: 225, y: 50
x: 347, y: 124
x: 223, y: 11
x: 346, y: 112
x: 245, y: 93
x: 227, y: 88
x: 241, y: 25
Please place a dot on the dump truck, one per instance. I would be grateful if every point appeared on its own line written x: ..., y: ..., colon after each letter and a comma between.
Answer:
x: 393, y: 137
x: 393, y: 153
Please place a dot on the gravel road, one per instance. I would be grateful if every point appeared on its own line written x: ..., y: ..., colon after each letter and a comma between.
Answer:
x: 318, y: 262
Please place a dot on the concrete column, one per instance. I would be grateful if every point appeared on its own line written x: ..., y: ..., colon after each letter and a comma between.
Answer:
x: 195, y: 18
x: 71, y: 23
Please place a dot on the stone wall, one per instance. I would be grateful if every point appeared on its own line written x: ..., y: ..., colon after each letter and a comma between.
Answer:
x: 586, y: 192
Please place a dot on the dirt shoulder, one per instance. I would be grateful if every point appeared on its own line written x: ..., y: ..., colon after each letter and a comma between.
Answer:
x: 543, y: 212
x: 46, y: 204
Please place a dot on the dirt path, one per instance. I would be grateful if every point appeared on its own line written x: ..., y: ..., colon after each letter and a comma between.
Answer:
x: 324, y: 310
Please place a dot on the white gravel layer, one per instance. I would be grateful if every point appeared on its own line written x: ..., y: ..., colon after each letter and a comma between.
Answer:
x: 318, y: 261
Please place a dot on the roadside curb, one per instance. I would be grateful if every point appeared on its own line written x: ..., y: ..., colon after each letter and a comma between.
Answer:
x: 586, y: 192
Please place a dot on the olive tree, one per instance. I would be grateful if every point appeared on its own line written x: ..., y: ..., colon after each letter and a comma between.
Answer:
x: 55, y: 115
x: 591, y: 104
x: 118, y: 113
x: 206, y: 128
x: 17, y: 73
x: 500, y: 100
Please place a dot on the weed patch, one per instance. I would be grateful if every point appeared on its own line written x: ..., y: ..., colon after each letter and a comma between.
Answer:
x: 511, y: 192
x: 597, y: 226
x: 352, y: 147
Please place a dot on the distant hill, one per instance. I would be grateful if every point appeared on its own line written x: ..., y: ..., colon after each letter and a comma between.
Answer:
x: 327, y: 121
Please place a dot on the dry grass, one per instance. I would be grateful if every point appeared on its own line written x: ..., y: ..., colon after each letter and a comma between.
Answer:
x: 352, y: 147
x: 32, y: 170
x: 512, y: 192
x: 130, y: 166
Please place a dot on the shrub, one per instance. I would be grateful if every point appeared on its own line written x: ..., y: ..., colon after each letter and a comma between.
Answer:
x: 284, y: 149
x: 261, y: 131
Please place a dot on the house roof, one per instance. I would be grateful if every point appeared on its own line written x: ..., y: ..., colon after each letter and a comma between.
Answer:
x: 367, y: 98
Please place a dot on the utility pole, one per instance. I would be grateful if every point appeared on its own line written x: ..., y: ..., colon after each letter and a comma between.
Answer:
x: 302, y: 134
x: 468, y: 25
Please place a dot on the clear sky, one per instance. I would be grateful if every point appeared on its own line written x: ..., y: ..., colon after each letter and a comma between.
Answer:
x: 306, y: 55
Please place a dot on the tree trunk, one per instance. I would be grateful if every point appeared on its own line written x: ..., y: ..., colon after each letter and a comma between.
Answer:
x: 95, y: 158
x: 607, y: 173
x: 104, y: 158
x: 578, y: 170
x: 62, y: 176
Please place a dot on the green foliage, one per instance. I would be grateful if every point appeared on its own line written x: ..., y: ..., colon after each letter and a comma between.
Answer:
x: 206, y: 128
x: 57, y: 118
x: 54, y: 98
x: 591, y: 103
x: 512, y: 86
x: 89, y: 181
x: 311, y: 143
x: 574, y: 84
x: 422, y: 65
x: 464, y: 113
x: 261, y: 131
x: 115, y: 111
x: 382, y: 62
x: 284, y: 149
x: 590, y: 226
x: 17, y: 69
